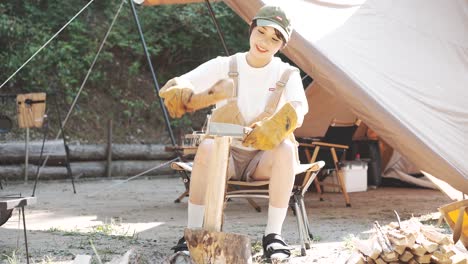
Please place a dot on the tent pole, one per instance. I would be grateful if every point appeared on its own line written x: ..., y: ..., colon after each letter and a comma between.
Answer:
x: 156, y: 88
x: 153, y: 74
x: 218, y: 28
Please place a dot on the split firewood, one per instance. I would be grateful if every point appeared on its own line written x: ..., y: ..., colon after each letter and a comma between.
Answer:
x: 440, y: 258
x: 447, y: 250
x: 383, y: 239
x: 368, y: 247
x: 380, y: 261
x: 428, y: 245
x: 401, y: 238
x: 418, y: 250
x: 433, y: 235
x: 406, y: 256
x: 412, y: 261
x: 423, y: 259
x: 399, y: 249
x: 356, y: 258
x: 389, y: 257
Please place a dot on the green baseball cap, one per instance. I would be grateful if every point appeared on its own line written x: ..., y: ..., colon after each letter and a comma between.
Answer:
x: 274, y: 16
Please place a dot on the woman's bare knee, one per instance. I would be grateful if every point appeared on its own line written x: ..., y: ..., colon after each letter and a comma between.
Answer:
x: 284, y: 150
x: 203, y: 152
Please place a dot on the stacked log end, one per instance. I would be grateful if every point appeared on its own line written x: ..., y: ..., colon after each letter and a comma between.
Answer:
x: 407, y: 242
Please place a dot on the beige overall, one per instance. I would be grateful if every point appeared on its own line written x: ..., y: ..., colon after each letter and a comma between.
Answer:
x: 230, y: 113
x: 243, y: 163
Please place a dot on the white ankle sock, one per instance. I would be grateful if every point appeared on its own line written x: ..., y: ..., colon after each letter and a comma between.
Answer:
x: 276, y: 218
x: 196, y: 213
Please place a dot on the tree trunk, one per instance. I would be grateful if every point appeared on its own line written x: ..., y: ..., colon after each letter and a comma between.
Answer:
x: 86, y: 169
x: 14, y: 152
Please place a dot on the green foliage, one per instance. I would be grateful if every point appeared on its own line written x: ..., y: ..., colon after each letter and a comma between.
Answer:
x: 178, y: 37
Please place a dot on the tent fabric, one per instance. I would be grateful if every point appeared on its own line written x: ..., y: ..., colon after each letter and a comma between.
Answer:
x: 400, y: 66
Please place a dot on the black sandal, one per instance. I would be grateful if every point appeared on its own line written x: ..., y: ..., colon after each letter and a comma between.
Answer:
x: 270, y: 250
x: 181, y: 246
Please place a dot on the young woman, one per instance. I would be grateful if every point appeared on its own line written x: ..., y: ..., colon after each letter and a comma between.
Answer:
x: 252, y: 89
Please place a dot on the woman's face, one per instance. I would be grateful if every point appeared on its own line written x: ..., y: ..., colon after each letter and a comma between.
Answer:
x: 264, y: 43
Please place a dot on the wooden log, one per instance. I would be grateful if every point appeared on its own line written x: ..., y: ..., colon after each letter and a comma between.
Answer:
x: 382, y: 238
x: 216, y: 186
x: 13, y: 152
x: 399, y: 249
x: 355, y: 258
x: 440, y: 258
x: 367, y: 247
x: 418, y: 250
x: 86, y: 169
x: 217, y: 247
x: 428, y: 245
x: 389, y: 257
x: 406, y: 256
x: 423, y: 259
x: 447, y: 250
x: 380, y: 261
x: 208, y: 245
x: 433, y: 235
x: 401, y: 238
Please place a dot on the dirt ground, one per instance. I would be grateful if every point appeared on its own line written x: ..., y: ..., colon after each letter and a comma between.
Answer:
x: 116, y: 216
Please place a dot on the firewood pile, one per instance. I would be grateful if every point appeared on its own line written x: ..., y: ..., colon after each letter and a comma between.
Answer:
x: 406, y: 242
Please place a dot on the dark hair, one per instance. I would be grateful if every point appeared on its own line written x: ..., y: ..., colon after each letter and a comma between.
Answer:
x: 277, y: 32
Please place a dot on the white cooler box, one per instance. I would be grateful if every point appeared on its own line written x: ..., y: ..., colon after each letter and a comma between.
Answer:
x: 355, y: 177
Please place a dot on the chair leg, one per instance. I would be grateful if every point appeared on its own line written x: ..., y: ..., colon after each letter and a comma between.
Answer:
x: 319, y: 189
x: 254, y: 205
x: 182, y: 196
x: 343, y: 187
x: 308, y: 233
x: 339, y: 173
x: 300, y: 227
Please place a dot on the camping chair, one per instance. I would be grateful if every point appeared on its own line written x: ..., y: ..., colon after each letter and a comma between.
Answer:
x: 337, y: 140
x: 259, y: 189
x: 456, y: 216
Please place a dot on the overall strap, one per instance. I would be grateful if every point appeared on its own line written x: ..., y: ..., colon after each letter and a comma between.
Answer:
x: 274, y: 99
x: 234, y: 74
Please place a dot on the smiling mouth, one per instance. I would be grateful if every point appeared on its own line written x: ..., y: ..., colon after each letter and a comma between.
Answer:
x: 262, y: 50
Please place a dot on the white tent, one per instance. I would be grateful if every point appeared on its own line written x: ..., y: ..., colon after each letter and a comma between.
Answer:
x: 400, y: 66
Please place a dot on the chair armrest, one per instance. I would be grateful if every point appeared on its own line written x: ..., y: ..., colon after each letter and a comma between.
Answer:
x: 323, y: 144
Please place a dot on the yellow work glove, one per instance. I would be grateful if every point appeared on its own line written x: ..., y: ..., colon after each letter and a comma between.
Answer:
x: 176, y: 93
x: 179, y: 97
x: 268, y: 133
x: 221, y: 90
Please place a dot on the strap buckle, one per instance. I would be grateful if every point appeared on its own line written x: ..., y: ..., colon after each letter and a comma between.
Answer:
x: 281, y: 84
x: 233, y: 74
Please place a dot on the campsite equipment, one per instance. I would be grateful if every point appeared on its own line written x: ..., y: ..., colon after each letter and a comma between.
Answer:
x: 7, y: 204
x: 210, y: 245
x: 406, y: 242
x: 354, y: 177
x: 456, y: 216
x: 31, y: 109
x: 407, y: 85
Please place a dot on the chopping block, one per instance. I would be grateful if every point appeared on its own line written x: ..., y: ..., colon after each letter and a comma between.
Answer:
x: 209, y: 244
